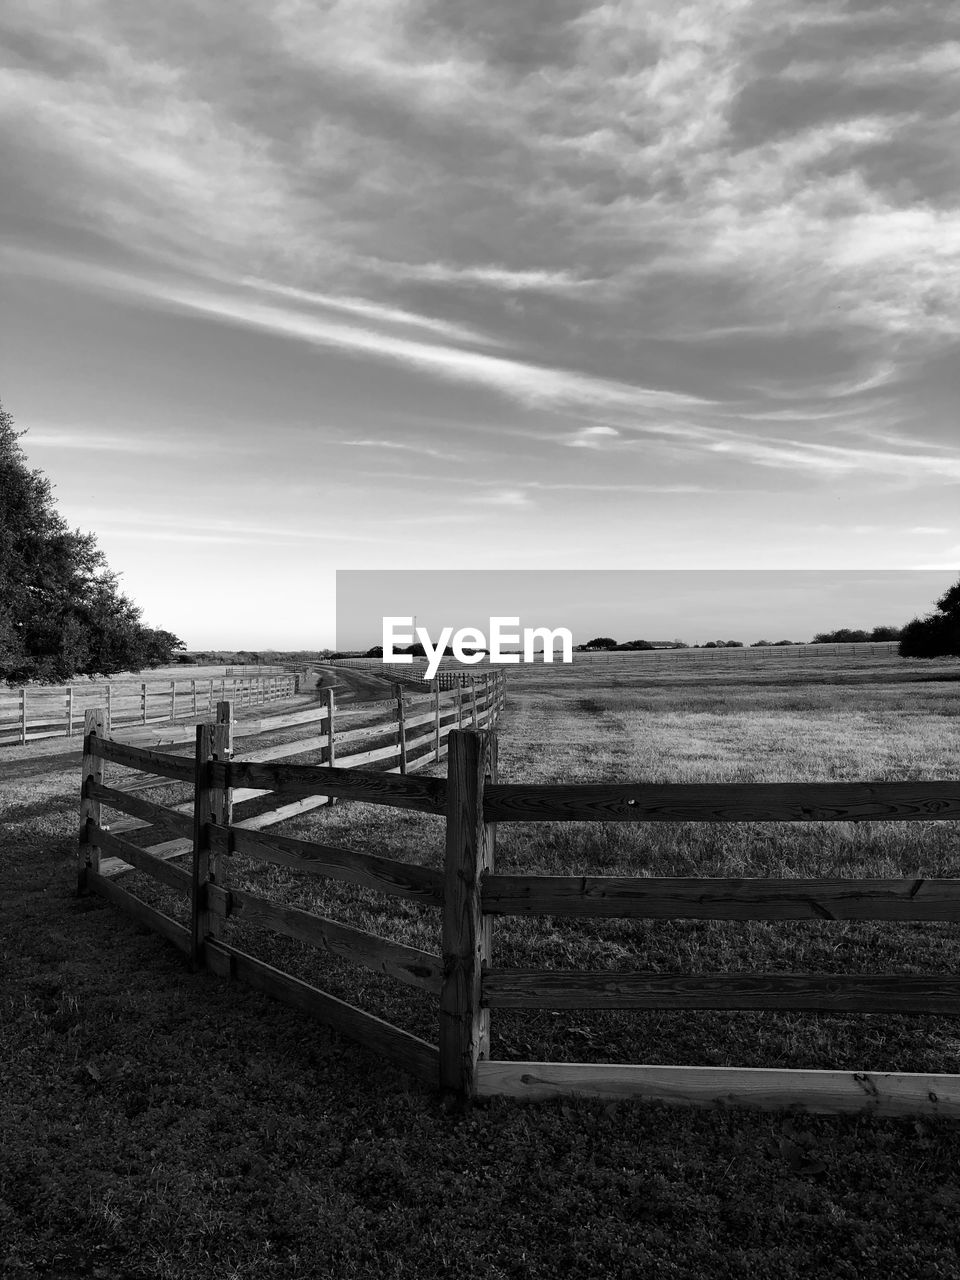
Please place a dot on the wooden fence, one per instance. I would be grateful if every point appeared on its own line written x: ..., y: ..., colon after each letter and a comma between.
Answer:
x: 45, y: 711
x: 415, y: 673
x: 470, y: 895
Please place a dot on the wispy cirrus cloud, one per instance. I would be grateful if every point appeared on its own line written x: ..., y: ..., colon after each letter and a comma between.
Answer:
x: 714, y: 248
x: 591, y: 437
x: 80, y: 438
x: 404, y: 446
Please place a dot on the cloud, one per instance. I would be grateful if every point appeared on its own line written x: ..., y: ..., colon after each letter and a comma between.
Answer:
x: 366, y: 310
x: 84, y: 440
x: 391, y: 178
x: 403, y: 447
x: 503, y: 498
x: 491, y: 276
x: 590, y: 437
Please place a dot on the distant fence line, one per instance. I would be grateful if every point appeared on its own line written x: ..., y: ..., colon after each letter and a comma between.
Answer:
x: 415, y: 673
x: 470, y: 894
x: 44, y: 711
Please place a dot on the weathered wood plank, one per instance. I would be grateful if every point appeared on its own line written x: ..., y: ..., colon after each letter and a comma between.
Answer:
x: 269, y: 724
x: 200, y: 872
x: 91, y: 777
x: 391, y: 752
x: 723, y: 802
x: 179, y: 819
x: 285, y: 749
x: 407, y: 964
x: 144, y: 914
x: 166, y: 849
x: 603, y: 989
x: 406, y: 1051
x: 881, y: 1093
x: 272, y: 816
x: 423, y: 794
x: 638, y: 898
x: 179, y: 767
x: 177, y: 878
x: 379, y: 729
x: 466, y: 933
x: 399, y: 879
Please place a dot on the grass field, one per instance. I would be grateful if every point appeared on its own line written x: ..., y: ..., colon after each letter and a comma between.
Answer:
x: 157, y: 1123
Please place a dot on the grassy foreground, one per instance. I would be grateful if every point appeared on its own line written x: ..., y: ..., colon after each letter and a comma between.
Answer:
x: 158, y: 1123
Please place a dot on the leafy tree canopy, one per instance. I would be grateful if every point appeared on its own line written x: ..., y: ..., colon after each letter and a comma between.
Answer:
x: 62, y: 613
x: 938, y: 634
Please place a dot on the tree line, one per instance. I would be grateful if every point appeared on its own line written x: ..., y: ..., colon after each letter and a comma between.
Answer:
x: 62, y: 613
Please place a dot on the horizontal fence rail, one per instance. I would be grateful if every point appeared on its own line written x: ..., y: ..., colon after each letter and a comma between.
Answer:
x: 470, y: 894
x: 45, y: 711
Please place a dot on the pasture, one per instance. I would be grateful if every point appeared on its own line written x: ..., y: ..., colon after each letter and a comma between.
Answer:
x: 161, y: 1124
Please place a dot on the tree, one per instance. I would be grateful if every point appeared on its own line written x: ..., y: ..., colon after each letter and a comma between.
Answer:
x: 61, y: 611
x: 601, y: 642
x: 938, y: 634
x: 843, y: 636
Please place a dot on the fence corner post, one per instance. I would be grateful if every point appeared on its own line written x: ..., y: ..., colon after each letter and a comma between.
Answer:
x: 88, y: 858
x: 466, y: 933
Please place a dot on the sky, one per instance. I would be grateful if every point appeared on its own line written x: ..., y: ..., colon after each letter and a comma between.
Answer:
x: 695, y: 606
x: 295, y: 288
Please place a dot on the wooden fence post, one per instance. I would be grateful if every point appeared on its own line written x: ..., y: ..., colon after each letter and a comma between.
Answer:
x: 466, y: 933
x: 401, y: 726
x: 70, y: 711
x: 331, y: 729
x: 173, y: 700
x: 109, y: 724
x: 221, y: 802
x: 193, y: 691
x: 436, y: 715
x: 459, y: 688
x: 89, y: 853
x: 210, y: 805
x: 23, y: 716
x: 143, y: 701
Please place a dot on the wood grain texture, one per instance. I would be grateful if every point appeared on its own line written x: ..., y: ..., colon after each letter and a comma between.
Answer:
x: 200, y: 870
x: 166, y: 766
x: 466, y: 934
x: 177, y: 878
x: 398, y: 879
x: 91, y: 777
x: 286, y: 749
x: 881, y: 1093
x: 269, y: 724
x: 724, y: 802
x: 216, y: 806
x: 284, y: 811
x: 639, y: 897
x: 406, y: 1051
x: 126, y: 802
x: 144, y: 914
x: 838, y: 993
x: 166, y: 849
x: 407, y: 964
x: 424, y: 794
